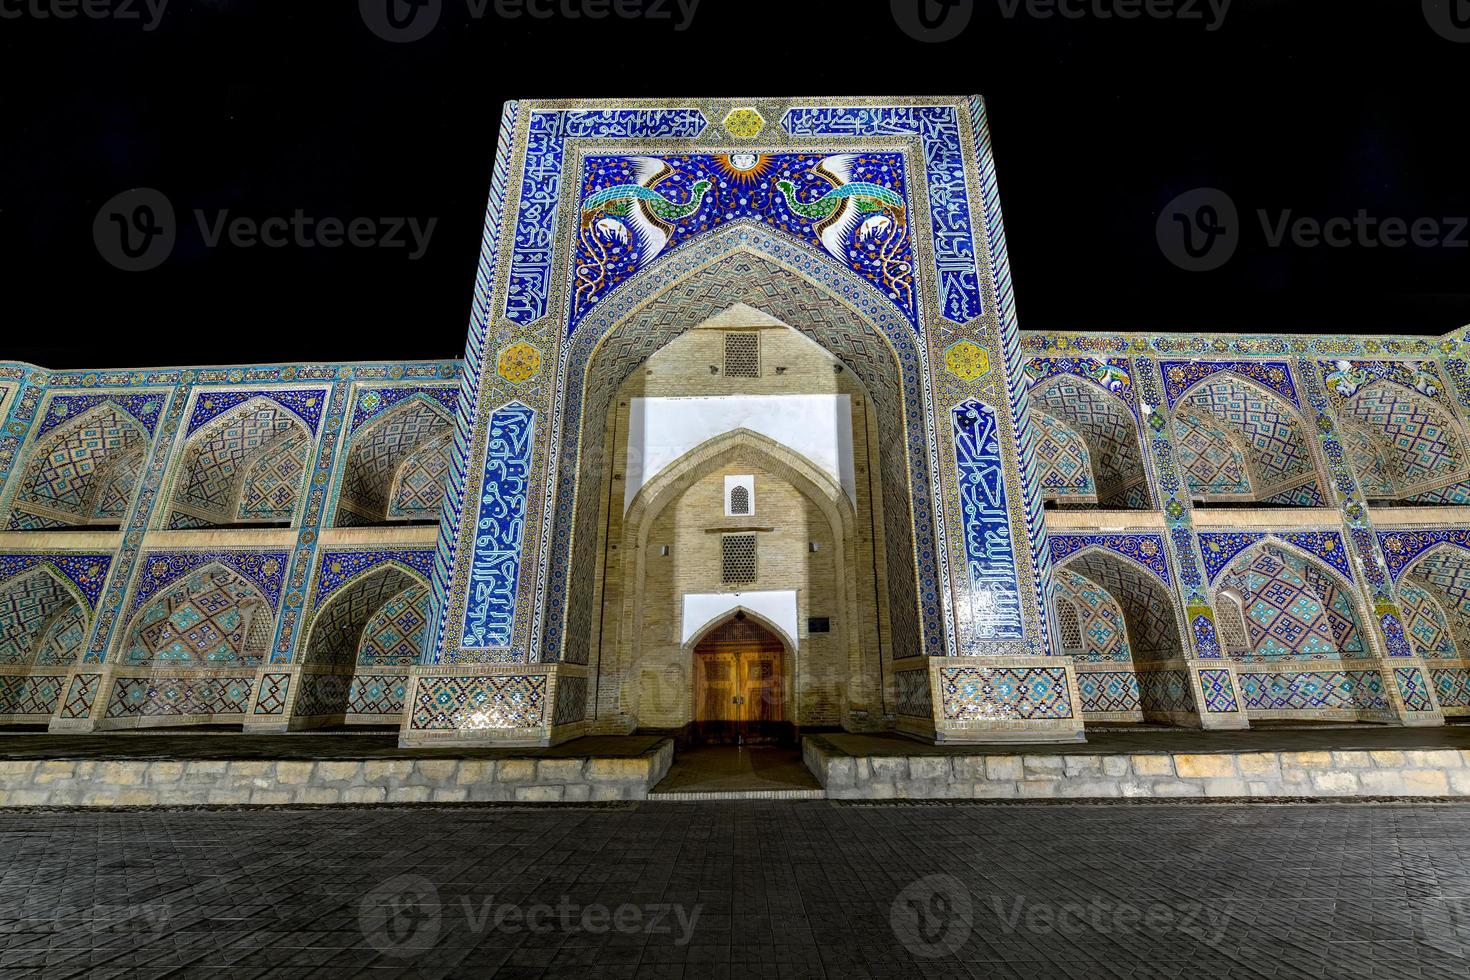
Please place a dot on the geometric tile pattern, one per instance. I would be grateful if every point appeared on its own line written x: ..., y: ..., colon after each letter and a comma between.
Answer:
x: 339, y: 631
x: 1064, y: 469
x: 1219, y: 692
x: 1418, y: 441
x: 212, y: 618
x: 418, y: 489
x: 1101, y: 632
x: 1106, y: 426
x: 1165, y: 690
x: 1293, y: 610
x: 1148, y: 608
x: 72, y: 471
x: 1412, y: 689
x: 1425, y: 623
x: 134, y: 697
x: 30, y: 695
x: 28, y: 606
x: 453, y: 703
x: 1452, y: 685
x: 220, y: 458
x: 1109, y: 690
x: 1262, y: 428
x: 84, y: 689
x: 1308, y: 690
x: 987, y: 693
x: 380, y: 452
x: 1212, y: 461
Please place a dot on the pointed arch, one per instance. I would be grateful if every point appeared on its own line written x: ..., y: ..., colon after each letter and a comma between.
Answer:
x: 746, y: 264
x: 396, y: 465
x: 1293, y: 606
x: 211, y: 617
x: 360, y: 645
x: 82, y: 473
x: 43, y: 620
x: 1423, y: 446
x: 1225, y: 419
x: 1109, y: 430
x: 247, y: 466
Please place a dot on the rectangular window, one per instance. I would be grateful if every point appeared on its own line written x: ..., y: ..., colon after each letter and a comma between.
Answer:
x: 742, y: 355
x: 737, y: 553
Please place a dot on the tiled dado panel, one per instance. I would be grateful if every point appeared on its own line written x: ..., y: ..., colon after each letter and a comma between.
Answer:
x: 1004, y: 693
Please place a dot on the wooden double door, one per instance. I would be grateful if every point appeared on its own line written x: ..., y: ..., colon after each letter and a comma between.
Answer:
x: 739, y: 692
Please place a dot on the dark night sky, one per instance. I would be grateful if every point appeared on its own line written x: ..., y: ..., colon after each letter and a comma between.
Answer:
x: 262, y: 108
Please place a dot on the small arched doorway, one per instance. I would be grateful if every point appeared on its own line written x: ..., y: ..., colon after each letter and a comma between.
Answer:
x: 739, y: 685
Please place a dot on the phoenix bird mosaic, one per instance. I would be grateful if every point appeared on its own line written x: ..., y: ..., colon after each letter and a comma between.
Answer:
x: 852, y: 205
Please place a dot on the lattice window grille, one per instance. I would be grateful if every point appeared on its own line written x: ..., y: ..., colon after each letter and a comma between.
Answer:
x: 737, y: 554
x: 1070, y: 624
x: 742, y: 355
x: 1232, y: 625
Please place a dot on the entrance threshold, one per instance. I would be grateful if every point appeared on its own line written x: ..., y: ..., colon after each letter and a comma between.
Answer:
x: 738, y: 772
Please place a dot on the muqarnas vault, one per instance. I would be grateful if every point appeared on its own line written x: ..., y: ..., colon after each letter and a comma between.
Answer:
x: 745, y: 410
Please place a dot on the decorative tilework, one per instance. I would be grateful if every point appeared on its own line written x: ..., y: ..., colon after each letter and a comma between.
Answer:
x: 496, y: 559
x: 305, y: 404
x: 529, y: 277
x: 1219, y: 548
x: 852, y: 205
x: 1452, y: 686
x: 1413, y: 690
x: 30, y: 695
x: 373, y: 402
x: 1313, y: 690
x: 1219, y: 691
x: 264, y: 569
x: 152, y: 697
x: 471, y: 703
x: 1181, y: 376
x: 81, y: 695
x: 273, y: 691
x: 938, y: 127
x: 1109, y: 690
x: 994, y: 600
x: 994, y: 693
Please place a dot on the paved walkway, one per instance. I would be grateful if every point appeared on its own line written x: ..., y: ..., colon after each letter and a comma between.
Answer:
x: 748, y: 889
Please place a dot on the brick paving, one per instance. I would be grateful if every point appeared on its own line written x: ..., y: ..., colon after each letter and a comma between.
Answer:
x: 782, y: 890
